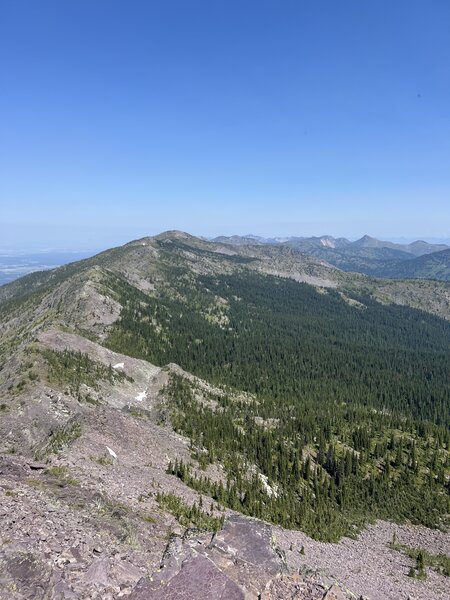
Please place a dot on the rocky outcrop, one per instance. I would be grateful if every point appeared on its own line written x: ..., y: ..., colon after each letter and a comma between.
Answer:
x: 240, y: 562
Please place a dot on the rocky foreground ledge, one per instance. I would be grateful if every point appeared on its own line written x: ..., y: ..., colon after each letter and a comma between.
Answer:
x: 72, y: 533
x: 48, y: 552
x: 237, y: 563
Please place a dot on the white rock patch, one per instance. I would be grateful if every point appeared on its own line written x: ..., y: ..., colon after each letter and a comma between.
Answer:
x: 270, y: 491
x: 113, y: 454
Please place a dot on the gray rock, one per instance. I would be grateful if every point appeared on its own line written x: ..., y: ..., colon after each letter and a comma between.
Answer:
x: 97, y: 573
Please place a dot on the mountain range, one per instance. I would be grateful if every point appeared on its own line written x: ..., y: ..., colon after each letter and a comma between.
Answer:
x: 190, y: 418
x: 366, y: 255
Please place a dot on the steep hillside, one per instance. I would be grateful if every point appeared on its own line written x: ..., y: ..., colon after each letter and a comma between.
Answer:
x: 429, y: 266
x: 382, y: 259
x: 417, y: 248
x: 165, y: 388
x: 360, y: 259
x: 367, y: 255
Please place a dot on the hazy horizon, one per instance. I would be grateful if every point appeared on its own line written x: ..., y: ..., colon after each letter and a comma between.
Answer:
x: 37, y: 250
x: 282, y: 119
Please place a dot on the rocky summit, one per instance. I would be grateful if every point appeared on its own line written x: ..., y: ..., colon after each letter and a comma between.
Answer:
x: 182, y: 418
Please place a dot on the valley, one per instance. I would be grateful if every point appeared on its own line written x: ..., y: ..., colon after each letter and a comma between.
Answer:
x: 251, y: 417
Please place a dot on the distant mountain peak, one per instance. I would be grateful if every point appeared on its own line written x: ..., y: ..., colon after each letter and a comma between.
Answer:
x: 169, y: 235
x: 174, y: 234
x: 367, y: 240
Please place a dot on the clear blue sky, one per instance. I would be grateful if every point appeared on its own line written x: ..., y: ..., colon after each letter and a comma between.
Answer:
x: 120, y: 119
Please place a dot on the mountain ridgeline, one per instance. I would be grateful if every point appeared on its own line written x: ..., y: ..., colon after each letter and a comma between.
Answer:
x: 367, y: 255
x: 329, y: 397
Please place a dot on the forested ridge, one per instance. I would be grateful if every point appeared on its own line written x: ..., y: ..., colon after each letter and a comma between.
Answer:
x: 356, y: 396
x: 281, y: 340
x: 336, y: 408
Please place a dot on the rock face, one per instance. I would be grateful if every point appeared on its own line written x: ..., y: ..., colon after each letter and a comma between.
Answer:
x: 61, y: 539
x: 238, y: 563
x: 197, y: 578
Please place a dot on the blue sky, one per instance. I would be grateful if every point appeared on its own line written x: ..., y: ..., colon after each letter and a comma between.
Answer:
x: 120, y: 119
